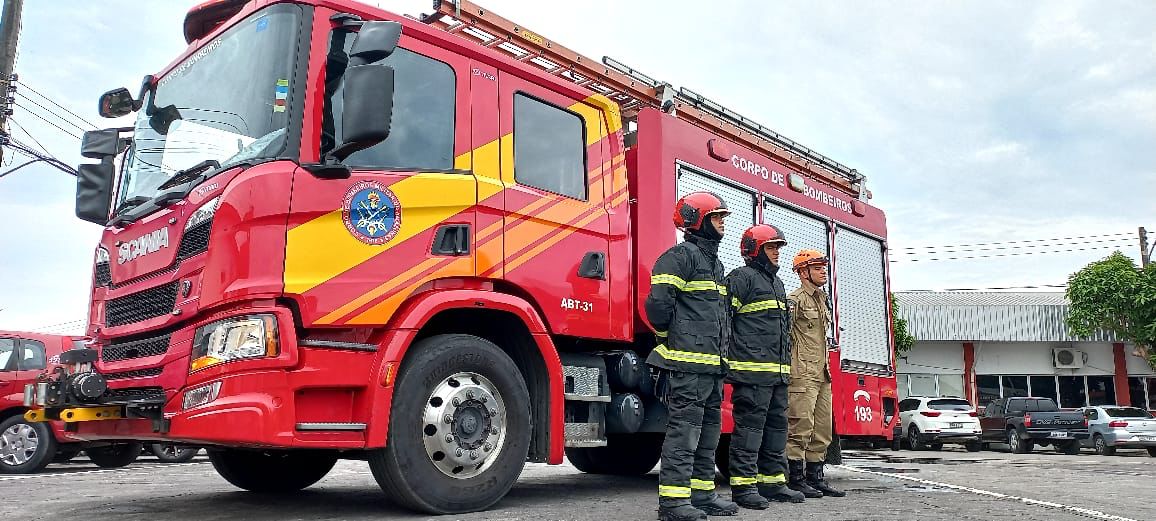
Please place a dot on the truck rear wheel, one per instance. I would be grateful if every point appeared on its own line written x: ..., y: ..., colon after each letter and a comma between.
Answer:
x: 114, y: 456
x: 459, y: 428
x: 25, y: 447
x: 623, y: 455
x: 1018, y: 445
x: 272, y: 471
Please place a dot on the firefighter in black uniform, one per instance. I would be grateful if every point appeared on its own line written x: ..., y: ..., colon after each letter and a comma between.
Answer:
x: 758, y: 362
x: 688, y: 309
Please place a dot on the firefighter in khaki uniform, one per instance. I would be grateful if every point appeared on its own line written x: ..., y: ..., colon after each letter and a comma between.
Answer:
x: 689, y: 311
x: 758, y: 371
x: 809, y: 397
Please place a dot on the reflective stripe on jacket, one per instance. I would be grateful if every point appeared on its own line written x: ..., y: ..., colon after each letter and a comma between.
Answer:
x: 687, y: 306
x: 760, y: 349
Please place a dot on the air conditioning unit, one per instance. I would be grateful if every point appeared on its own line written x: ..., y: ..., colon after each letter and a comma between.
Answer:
x: 1068, y: 358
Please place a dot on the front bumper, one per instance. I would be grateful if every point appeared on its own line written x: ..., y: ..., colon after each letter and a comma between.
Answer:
x: 302, y: 397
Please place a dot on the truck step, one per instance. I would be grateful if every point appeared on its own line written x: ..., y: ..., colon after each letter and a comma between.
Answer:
x: 585, y: 435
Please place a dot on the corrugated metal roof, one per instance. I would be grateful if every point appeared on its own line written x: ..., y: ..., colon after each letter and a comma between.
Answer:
x: 989, y: 316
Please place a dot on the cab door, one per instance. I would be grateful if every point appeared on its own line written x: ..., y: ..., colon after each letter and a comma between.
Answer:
x: 554, y: 160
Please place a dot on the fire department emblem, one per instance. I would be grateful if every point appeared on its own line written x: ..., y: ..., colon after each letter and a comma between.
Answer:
x: 371, y: 212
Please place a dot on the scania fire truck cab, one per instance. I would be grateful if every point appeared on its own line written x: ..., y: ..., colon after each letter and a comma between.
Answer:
x: 338, y: 233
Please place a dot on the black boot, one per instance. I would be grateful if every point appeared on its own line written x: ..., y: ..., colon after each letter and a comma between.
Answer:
x: 797, y: 481
x: 780, y: 492
x: 749, y: 497
x: 713, y: 504
x: 816, y: 481
x: 679, y: 511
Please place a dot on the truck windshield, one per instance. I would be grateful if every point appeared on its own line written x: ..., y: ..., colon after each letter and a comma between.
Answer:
x: 227, y: 102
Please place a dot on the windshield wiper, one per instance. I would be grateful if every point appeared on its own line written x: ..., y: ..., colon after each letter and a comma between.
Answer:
x: 189, y: 173
x: 130, y: 203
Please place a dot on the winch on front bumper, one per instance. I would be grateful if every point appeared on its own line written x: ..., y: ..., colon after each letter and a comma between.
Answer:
x: 75, y: 392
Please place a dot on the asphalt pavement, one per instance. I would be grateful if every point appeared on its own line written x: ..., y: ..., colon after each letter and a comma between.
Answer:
x: 882, y: 485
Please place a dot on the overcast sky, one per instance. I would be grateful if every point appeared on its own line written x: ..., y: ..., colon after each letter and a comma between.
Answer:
x: 975, y: 122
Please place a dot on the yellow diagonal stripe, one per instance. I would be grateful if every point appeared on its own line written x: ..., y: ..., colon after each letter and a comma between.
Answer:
x: 323, y: 248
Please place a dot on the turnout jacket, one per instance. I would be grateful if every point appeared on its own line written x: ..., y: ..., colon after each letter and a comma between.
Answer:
x: 687, y: 306
x: 760, y: 349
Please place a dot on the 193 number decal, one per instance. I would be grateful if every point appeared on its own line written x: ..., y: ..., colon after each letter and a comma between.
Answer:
x: 864, y: 413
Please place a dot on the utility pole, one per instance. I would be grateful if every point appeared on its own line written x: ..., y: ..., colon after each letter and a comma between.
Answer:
x: 1145, y: 253
x: 9, y: 36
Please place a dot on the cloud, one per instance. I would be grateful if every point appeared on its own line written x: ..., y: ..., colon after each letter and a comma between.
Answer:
x: 999, y: 151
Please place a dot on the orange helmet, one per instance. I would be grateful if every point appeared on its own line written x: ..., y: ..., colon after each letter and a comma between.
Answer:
x: 758, y: 235
x: 691, y: 210
x: 808, y: 258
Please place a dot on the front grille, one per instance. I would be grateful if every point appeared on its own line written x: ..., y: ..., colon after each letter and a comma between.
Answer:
x: 154, y: 346
x: 139, y: 373
x: 134, y: 393
x: 195, y: 240
x: 102, y: 274
x: 142, y: 305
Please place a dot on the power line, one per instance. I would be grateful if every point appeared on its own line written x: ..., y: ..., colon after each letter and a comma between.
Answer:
x: 29, y: 134
x: 1007, y: 254
x: 62, y: 107
x: 938, y: 252
x: 53, y: 112
x: 1016, y: 242
x: 41, y: 118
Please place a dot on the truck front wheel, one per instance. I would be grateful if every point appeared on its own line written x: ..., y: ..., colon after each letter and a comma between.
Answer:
x: 459, y: 429
x: 25, y: 447
x: 625, y: 455
x: 272, y: 471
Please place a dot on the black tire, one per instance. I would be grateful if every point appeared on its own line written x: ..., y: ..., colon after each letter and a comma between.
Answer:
x: 65, y: 453
x: 1152, y: 451
x: 1102, y: 447
x: 973, y: 446
x: 1070, y: 448
x: 173, y: 453
x: 114, y: 456
x: 935, y: 446
x: 25, y: 447
x: 272, y: 471
x: 1017, y: 445
x: 406, y: 469
x: 896, y: 443
x: 914, y: 440
x: 627, y: 455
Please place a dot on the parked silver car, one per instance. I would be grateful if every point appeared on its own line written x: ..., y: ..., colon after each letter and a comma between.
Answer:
x: 1116, y: 427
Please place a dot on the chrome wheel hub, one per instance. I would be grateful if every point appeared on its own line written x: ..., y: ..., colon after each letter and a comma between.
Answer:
x: 464, y: 425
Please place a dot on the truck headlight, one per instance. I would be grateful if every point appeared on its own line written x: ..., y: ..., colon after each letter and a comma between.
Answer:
x: 203, y: 214
x: 253, y: 336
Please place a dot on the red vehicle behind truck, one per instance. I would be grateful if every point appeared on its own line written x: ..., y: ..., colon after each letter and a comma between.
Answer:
x: 28, y: 447
x: 339, y: 233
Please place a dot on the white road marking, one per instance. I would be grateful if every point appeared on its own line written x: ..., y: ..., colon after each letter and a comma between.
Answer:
x: 99, y: 471
x: 1047, y: 504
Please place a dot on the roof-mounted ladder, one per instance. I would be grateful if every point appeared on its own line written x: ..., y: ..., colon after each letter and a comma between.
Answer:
x: 634, y: 91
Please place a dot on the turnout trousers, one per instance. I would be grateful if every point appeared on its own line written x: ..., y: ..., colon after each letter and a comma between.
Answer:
x: 694, y: 422
x: 759, y: 441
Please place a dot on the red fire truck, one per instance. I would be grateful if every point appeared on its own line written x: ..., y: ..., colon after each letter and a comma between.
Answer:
x: 339, y: 233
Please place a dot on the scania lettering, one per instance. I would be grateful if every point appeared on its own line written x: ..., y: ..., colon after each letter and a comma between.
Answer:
x: 395, y: 240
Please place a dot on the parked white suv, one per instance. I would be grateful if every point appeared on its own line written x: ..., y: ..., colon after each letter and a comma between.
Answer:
x: 929, y: 422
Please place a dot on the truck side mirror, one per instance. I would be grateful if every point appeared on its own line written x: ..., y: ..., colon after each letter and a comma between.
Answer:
x: 116, y: 103
x: 94, y: 190
x: 375, y: 41
x: 99, y: 144
x: 368, y: 108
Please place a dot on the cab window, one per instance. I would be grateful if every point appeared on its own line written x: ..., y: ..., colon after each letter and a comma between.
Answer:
x: 32, y: 357
x: 7, y: 354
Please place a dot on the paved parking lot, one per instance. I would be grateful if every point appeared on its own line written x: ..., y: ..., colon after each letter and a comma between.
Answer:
x: 882, y: 485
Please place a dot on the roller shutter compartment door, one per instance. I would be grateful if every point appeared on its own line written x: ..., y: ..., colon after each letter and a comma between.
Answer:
x: 803, y: 232
x: 740, y: 202
x: 861, y: 299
